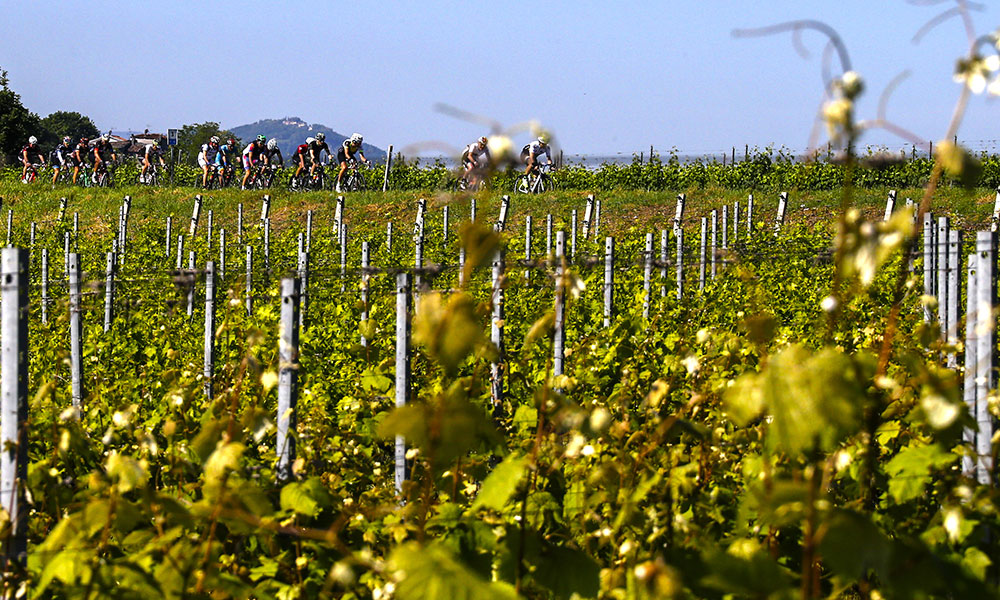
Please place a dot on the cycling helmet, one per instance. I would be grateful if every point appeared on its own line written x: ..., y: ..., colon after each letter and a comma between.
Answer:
x: 483, y: 140
x: 231, y: 141
x: 543, y: 139
x: 214, y: 140
x: 262, y: 138
x: 321, y: 136
x: 310, y: 140
x: 84, y: 140
x: 272, y: 144
x: 67, y: 140
x: 356, y: 138
x: 32, y: 140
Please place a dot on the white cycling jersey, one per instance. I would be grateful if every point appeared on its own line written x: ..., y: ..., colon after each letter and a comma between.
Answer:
x: 473, y: 151
x: 536, y: 149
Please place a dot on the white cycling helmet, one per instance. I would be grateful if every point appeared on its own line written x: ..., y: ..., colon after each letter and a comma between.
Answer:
x: 357, y: 138
x: 543, y: 139
x: 32, y: 140
x: 310, y: 140
x: 67, y: 140
x: 272, y: 144
x: 321, y: 136
x: 214, y: 140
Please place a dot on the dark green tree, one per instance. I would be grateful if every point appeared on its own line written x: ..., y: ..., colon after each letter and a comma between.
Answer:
x: 17, y: 123
x: 62, y: 123
x: 191, y: 138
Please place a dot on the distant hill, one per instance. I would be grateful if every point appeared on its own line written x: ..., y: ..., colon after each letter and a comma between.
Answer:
x: 293, y: 131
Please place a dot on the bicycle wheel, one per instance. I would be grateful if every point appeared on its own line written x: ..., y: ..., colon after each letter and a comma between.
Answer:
x: 546, y: 183
x: 522, y: 185
x: 361, y: 183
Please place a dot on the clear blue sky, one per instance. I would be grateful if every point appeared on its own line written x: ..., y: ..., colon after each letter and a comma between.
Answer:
x: 605, y: 77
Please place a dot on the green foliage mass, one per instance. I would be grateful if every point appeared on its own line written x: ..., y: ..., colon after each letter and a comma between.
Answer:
x: 739, y: 443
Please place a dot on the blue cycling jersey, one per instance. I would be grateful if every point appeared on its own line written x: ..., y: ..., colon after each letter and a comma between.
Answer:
x: 224, y: 150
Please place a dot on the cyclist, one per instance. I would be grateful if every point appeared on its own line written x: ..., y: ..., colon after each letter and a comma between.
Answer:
x: 316, y: 148
x: 476, y: 159
x: 80, y: 154
x: 32, y: 150
x: 101, y: 149
x: 301, y: 153
x: 208, y: 156
x: 60, y: 157
x: 272, y: 150
x: 346, y: 152
x: 252, y: 154
x: 533, y: 151
x: 151, y: 153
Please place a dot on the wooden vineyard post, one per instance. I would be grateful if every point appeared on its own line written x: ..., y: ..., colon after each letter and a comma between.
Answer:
x: 725, y: 226
x: 664, y: 250
x: 679, y: 234
x: 779, y: 219
x: 402, y: 370
x: 66, y: 253
x: 418, y: 265
x: 941, y: 262
x: 679, y: 211
x: 31, y: 241
x: 597, y: 218
x: 714, y: 241
x: 559, y: 333
x: 239, y: 224
x: 10, y: 225
x: 343, y: 258
x: 418, y: 225
x: 929, y: 281
x: 195, y: 214
x: 45, y: 285
x: 76, y: 226
x: 166, y: 242
x: 222, y: 255
x: 497, y: 368
x: 388, y: 165
x: 62, y: 209
x: 954, y: 286
x: 180, y: 252
x: 265, y: 208
x: 14, y: 398
x: 288, y: 390
x: 890, y: 205
x: 986, y: 293
x: 736, y: 221
x: 209, y: 364
x: 702, y: 250
x: 109, y: 292
x: 750, y: 226
x: 303, y: 273
x: 995, y: 221
x: 249, y: 288
x: 588, y: 215
x: 75, y: 332
x: 971, y: 345
x: 388, y: 237
x: 209, y: 231
x: 191, y: 283
x: 365, y: 260
x: 472, y: 209
x: 444, y: 225
x: 609, y: 280
x: 309, y: 230
x: 527, y: 247
x: 267, y: 250
x: 647, y: 275
x: 504, y: 210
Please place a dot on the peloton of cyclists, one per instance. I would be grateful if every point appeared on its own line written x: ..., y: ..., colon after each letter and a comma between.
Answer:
x: 530, y: 153
x: 252, y: 154
x: 32, y: 150
x: 151, y: 153
x: 61, y: 158
x: 476, y: 160
x: 100, y: 152
x: 208, y: 157
x: 80, y: 154
x: 346, y: 152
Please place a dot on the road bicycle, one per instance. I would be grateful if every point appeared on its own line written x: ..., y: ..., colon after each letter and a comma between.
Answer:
x: 216, y: 177
x: 537, y: 181
x: 308, y: 182
x: 103, y: 175
x: 32, y: 173
x: 473, y: 182
x: 261, y: 177
x: 354, y: 179
x: 152, y: 176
